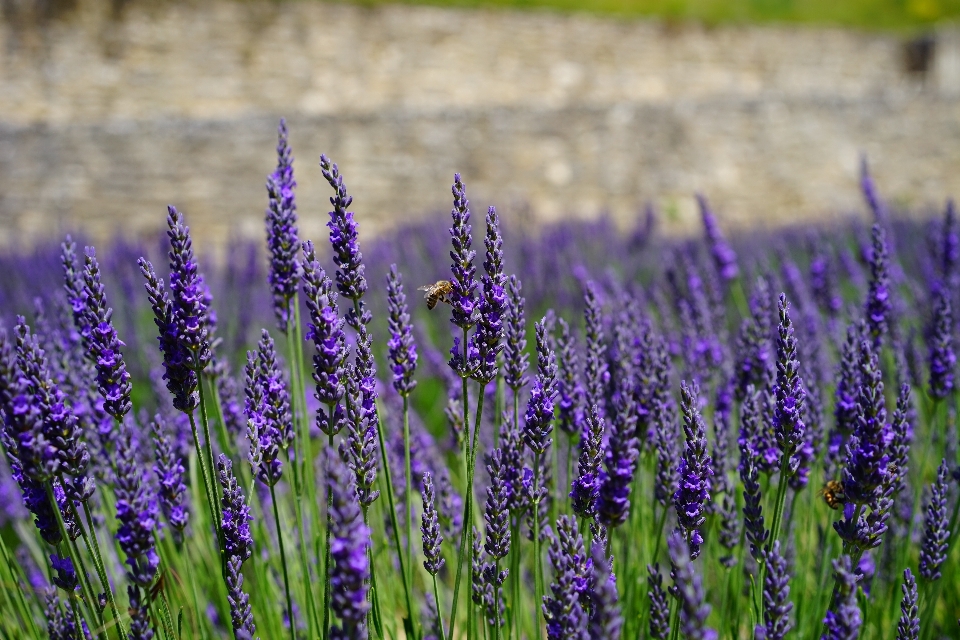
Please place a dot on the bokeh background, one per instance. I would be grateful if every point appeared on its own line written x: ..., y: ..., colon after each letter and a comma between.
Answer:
x: 109, y: 110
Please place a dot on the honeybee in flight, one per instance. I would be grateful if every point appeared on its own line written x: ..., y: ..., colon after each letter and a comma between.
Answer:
x: 439, y: 291
x: 832, y: 494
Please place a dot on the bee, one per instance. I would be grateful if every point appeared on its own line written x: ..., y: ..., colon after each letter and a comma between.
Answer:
x: 439, y: 291
x: 832, y: 494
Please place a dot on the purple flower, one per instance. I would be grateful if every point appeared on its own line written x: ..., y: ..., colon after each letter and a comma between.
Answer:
x: 753, y: 341
x: 788, y: 416
x: 538, y: 420
x: 237, y: 540
x: 878, y: 303
x: 360, y: 449
x: 350, y: 539
x: 514, y: 338
x: 73, y: 286
x: 492, y: 305
x: 620, y: 461
x: 936, y: 530
x: 430, y: 529
x: 64, y: 574
x: 908, y: 627
x: 511, y: 449
x: 496, y: 515
x: 943, y: 360
x: 845, y: 396
x: 843, y: 621
x: 276, y: 398
x: 241, y: 617
x: 59, y: 626
x: 754, y: 527
x: 282, y: 242
x: 191, y: 315
x: 823, y: 280
x: 181, y: 379
x: 866, y: 452
x: 169, y: 471
x: 402, y: 349
x: 140, y: 628
x: 724, y: 258
x: 595, y: 367
x: 776, y: 594
x: 325, y: 330
x: 688, y: 589
x: 137, y: 513
x: 463, y: 272
x: 695, y: 471
x: 659, y: 606
x: 606, y: 618
x: 585, y: 489
x: 262, y: 432
x: 564, y: 614
x: 351, y: 282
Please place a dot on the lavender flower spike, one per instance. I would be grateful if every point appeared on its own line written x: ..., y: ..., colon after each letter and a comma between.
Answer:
x: 695, y: 471
x: 103, y: 344
x: 282, y: 242
x: 595, y: 368
x: 430, y: 529
x: 515, y: 341
x: 878, y: 296
x: 351, y: 282
x: 564, y: 614
x: 539, y: 415
x: 754, y: 528
x: 606, y: 619
x: 238, y: 546
x: 181, y: 379
x: 620, y: 461
x: 843, y: 620
x: 570, y: 419
x: 463, y: 272
x: 350, y: 538
x: 585, y: 489
x: 325, y: 330
x: 936, y: 532
x: 493, y: 303
x: 659, y: 605
x: 169, y: 471
x: 402, y: 349
x: 190, y: 312
x: 495, y: 515
x: 908, y: 628
x: 788, y: 415
x: 776, y: 593
x: 943, y: 359
x: 688, y: 589
x: 137, y: 513
x: 724, y: 258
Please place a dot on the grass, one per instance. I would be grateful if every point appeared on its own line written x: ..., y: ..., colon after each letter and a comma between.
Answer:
x: 900, y: 15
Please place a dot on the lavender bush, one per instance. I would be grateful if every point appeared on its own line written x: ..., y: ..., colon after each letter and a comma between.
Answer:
x: 737, y: 436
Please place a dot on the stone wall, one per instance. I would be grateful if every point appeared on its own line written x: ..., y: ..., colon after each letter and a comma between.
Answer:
x: 107, y: 114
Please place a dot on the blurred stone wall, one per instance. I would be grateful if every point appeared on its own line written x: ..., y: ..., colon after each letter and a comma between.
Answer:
x: 110, y: 111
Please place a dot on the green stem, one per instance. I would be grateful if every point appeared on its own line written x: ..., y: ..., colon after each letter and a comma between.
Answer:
x: 777, y: 513
x: 467, y: 502
x: 393, y: 520
x: 538, y: 564
x: 204, y: 420
x: 74, y: 554
x: 436, y: 599
x: 408, y: 480
x: 101, y: 570
x: 14, y: 578
x: 326, y: 553
x: 496, y: 602
x: 206, y: 479
x: 283, y: 562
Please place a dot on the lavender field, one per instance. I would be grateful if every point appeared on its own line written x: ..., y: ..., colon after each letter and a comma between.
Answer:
x: 593, y: 433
